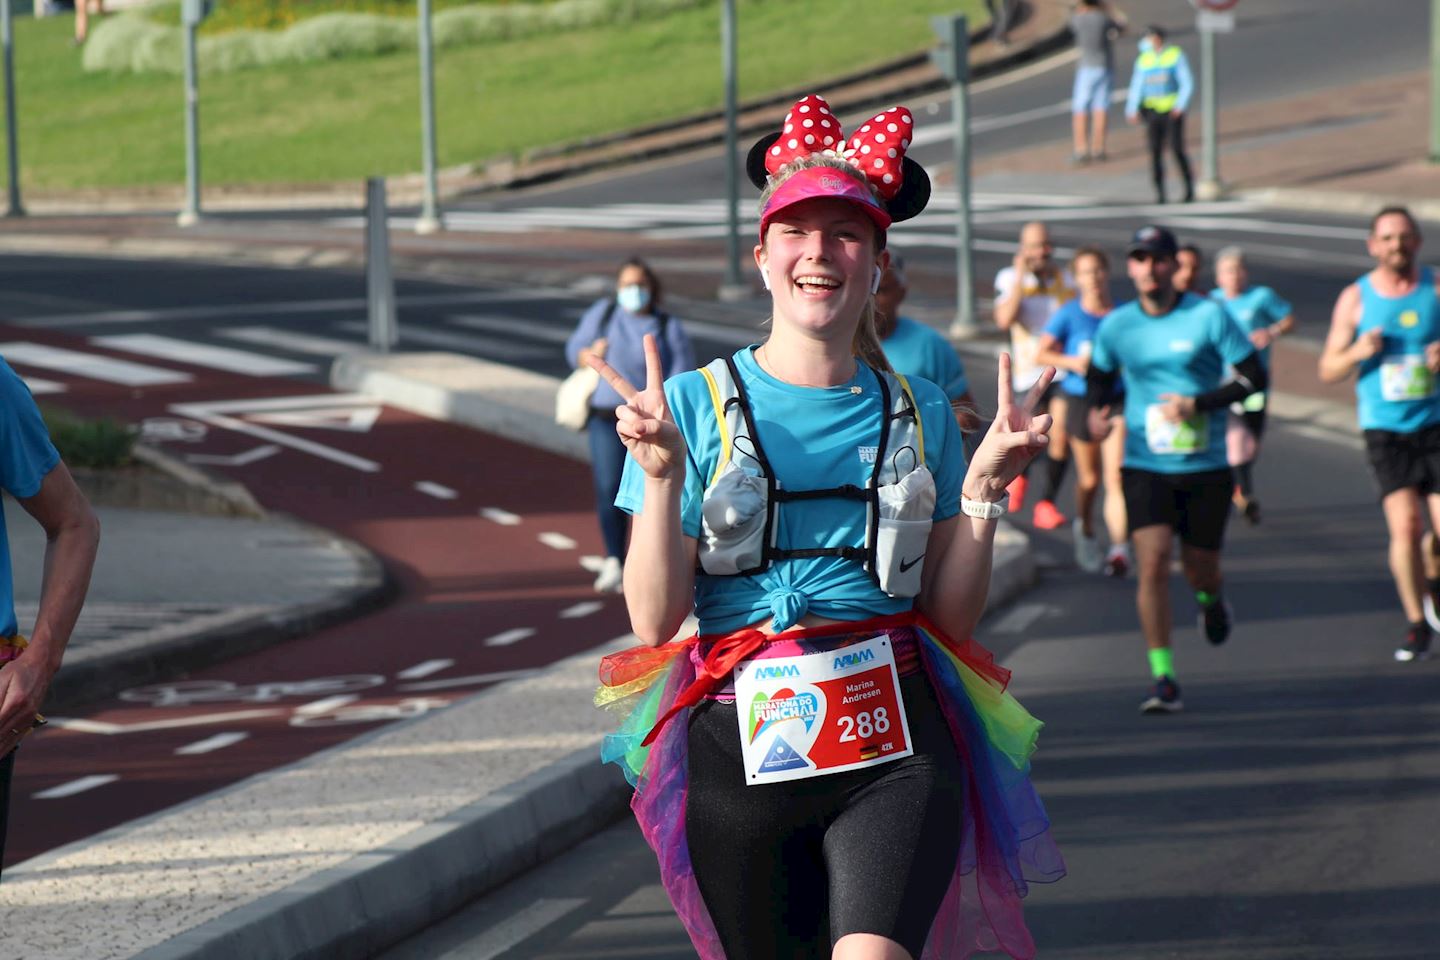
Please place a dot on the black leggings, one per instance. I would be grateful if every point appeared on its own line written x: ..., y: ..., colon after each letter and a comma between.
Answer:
x: 1158, y: 128
x: 7, y: 771
x: 787, y: 869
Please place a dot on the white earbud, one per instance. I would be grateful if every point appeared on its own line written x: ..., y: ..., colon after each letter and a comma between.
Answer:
x: 765, y: 279
x: 875, y: 284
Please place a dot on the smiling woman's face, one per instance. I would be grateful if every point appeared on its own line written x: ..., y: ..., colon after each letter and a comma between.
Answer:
x: 820, y: 258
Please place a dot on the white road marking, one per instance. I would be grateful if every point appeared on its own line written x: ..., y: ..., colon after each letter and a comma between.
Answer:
x: 1020, y: 618
x: 238, y: 460
x: 41, y: 387
x: 1336, y: 437
x: 326, y: 705
x: 508, y: 637
x: 294, y: 342
x: 424, y: 669
x: 466, y: 681
x: 557, y: 541
x: 503, y: 517
x: 436, y: 490
x: 204, y: 355
x: 592, y: 562
x: 77, y: 786
x: 463, y: 342
x: 583, y: 609
x: 515, y: 326
x: 209, y: 745
x: 349, y: 419
x: 519, y: 927
x: 92, y: 366
x: 208, y: 413
x: 111, y: 729
x: 304, y: 401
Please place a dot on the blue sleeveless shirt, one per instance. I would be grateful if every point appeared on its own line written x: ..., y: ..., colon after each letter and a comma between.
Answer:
x: 1395, y: 390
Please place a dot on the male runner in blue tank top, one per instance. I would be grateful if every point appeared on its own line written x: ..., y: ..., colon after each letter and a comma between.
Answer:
x: 1386, y: 325
x: 1172, y: 349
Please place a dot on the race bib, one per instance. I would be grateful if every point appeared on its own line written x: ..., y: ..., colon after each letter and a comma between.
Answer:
x: 820, y: 713
x: 1168, y: 437
x: 1405, y: 377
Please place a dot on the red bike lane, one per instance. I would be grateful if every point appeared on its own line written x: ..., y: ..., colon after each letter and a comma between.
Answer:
x: 483, y: 536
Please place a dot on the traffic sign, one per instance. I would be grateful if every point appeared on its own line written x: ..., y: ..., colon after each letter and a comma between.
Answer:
x: 1210, y: 21
x: 1215, y: 5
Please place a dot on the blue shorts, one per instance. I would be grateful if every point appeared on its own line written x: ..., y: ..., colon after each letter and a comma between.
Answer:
x: 1092, y: 90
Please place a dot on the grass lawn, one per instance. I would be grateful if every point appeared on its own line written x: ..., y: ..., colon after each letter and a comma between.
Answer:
x: 352, y: 119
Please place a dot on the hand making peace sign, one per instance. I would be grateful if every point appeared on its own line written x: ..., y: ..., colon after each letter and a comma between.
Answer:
x: 643, y: 421
x: 1012, y: 441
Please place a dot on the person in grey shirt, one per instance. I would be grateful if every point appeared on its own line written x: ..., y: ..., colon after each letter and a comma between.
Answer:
x: 1095, y: 24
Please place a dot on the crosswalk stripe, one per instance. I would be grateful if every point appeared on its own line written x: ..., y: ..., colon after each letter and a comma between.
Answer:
x: 508, y: 637
x: 41, y: 387
x: 487, y: 346
x: 203, y: 355
x: 91, y: 366
x: 294, y: 342
x: 210, y: 744
x: 77, y: 786
x: 512, y: 326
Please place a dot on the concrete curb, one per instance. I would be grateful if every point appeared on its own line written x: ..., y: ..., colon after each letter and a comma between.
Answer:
x: 1334, y: 201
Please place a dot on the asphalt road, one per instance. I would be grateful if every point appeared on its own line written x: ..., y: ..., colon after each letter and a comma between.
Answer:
x: 1288, y: 813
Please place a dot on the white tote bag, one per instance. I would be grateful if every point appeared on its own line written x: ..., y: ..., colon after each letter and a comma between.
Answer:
x: 572, y: 400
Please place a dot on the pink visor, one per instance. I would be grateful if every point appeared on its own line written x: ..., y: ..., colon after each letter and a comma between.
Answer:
x: 823, y: 182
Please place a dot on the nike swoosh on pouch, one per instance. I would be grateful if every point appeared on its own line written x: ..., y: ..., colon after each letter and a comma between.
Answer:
x: 905, y: 565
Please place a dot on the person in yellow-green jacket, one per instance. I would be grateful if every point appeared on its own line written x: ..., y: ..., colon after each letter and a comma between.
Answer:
x: 1160, y: 90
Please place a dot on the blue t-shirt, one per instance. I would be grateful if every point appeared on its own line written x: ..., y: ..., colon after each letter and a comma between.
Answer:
x: 1185, y: 352
x: 1255, y: 309
x: 814, y: 437
x: 1395, y: 390
x: 919, y: 351
x: 1074, y: 329
x: 26, y: 456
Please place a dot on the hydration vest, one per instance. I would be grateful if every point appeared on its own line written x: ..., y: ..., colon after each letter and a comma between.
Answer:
x: 1162, y: 91
x: 740, y: 505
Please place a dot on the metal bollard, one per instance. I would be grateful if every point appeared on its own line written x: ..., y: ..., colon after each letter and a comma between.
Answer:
x: 379, y: 282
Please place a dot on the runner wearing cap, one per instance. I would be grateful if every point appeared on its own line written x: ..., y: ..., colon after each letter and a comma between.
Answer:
x: 831, y: 767
x: 1171, y: 350
x: 1265, y: 317
x: 1027, y: 294
x: 1386, y: 326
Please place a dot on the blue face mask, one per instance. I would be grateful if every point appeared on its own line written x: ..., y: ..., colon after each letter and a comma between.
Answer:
x: 634, y: 297
x: 1145, y: 45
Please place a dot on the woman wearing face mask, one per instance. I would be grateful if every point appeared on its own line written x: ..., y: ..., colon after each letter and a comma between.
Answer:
x: 613, y: 329
x: 831, y: 768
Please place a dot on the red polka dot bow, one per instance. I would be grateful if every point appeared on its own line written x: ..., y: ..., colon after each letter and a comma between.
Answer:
x: 877, y: 149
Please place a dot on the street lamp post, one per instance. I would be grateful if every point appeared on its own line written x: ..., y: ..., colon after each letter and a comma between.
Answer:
x: 1435, y: 81
x: 429, y: 221
x: 12, y: 139
x: 733, y: 287
x: 192, y: 12
x: 953, y: 59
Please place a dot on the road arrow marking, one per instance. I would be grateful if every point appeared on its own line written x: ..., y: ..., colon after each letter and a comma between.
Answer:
x: 348, y: 419
x: 238, y: 460
x: 110, y: 729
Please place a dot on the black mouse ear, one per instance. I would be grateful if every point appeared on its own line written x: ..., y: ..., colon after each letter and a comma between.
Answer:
x: 755, y: 161
x: 914, y: 192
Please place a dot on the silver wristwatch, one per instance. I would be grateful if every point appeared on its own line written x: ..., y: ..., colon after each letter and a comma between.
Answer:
x: 984, y: 510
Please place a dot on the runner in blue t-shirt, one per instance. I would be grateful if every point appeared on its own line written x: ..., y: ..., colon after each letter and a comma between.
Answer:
x: 1172, y: 351
x: 1386, y: 326
x: 31, y: 472
x: 1066, y: 344
x: 816, y: 512
x: 1265, y: 317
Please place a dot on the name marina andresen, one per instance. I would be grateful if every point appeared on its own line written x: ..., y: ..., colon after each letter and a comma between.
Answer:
x: 855, y: 688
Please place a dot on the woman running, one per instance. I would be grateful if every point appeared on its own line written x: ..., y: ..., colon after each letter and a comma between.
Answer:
x: 831, y: 768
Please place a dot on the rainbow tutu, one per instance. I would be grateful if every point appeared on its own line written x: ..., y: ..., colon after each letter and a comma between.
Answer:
x: 1006, y: 842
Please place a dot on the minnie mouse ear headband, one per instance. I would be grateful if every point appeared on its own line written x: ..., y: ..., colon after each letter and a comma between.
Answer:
x: 877, y: 150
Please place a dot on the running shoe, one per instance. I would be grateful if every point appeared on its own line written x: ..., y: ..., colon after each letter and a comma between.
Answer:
x: 1017, y: 493
x: 1216, y: 617
x: 1416, y: 645
x: 1117, y: 561
x: 1251, y: 512
x: 1047, y: 515
x: 1432, y: 615
x: 611, y: 578
x: 1164, y: 697
x: 1087, y: 549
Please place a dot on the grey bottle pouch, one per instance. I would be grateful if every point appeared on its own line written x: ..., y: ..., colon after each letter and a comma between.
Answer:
x: 733, y: 522
x: 902, y: 533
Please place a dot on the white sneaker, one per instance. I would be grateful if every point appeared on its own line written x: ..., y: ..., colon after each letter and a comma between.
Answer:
x: 1117, y: 561
x: 1088, y: 556
x: 1432, y: 616
x: 611, y: 578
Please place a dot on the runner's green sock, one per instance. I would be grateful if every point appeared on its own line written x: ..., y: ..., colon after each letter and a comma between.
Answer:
x: 1162, y: 663
x: 1207, y: 599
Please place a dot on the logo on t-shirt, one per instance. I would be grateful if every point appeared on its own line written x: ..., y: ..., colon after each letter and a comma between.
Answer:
x: 868, y: 454
x: 1409, y: 319
x: 1182, y: 346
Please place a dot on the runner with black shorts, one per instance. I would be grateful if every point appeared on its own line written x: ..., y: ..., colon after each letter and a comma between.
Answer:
x: 1172, y: 351
x: 1386, y: 325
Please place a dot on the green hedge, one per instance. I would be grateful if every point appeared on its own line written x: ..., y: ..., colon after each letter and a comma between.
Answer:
x: 100, y: 443
x: 133, y: 42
